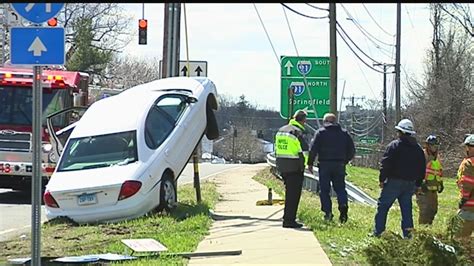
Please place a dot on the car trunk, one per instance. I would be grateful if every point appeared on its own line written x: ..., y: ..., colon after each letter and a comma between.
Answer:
x: 90, y: 188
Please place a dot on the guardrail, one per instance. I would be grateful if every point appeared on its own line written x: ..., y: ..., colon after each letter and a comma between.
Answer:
x: 311, y: 183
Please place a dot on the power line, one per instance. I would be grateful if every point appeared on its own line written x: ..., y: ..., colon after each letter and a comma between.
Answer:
x: 376, y: 21
x: 316, y: 7
x: 301, y: 14
x: 362, y: 29
x: 304, y: 75
x: 345, y: 33
x: 369, y: 66
x: 266, y: 32
x: 289, y: 28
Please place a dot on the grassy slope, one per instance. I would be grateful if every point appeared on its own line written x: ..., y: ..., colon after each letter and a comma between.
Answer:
x: 179, y: 232
x: 344, y: 243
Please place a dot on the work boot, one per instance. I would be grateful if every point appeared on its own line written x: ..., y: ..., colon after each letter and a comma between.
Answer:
x: 328, y: 217
x: 292, y: 225
x: 343, y: 213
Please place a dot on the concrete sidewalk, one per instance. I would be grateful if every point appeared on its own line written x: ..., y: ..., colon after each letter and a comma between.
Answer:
x: 239, y: 224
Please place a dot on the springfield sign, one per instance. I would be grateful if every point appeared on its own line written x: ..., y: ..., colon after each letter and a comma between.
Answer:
x: 316, y: 90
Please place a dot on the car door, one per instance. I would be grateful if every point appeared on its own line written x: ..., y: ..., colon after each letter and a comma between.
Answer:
x: 163, y: 131
x: 59, y: 138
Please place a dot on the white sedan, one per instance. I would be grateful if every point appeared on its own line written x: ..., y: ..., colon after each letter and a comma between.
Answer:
x: 125, y: 154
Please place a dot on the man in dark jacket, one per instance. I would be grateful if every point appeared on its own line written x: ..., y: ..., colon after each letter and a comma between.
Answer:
x: 401, y: 172
x: 334, y: 148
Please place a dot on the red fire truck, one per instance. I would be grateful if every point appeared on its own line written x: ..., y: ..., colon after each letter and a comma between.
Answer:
x: 61, y: 90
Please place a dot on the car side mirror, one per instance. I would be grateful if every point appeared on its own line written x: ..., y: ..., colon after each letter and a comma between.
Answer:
x: 191, y: 99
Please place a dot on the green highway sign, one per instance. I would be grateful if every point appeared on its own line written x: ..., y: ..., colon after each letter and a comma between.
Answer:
x: 369, y: 140
x: 316, y: 70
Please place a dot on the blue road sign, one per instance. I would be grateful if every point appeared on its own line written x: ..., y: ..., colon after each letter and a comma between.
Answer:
x: 37, y: 46
x: 37, y: 12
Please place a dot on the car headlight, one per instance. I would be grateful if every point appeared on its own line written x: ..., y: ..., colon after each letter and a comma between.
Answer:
x: 47, y: 147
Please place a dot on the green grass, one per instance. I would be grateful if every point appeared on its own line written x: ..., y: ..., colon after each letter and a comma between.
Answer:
x: 345, y: 244
x: 180, y: 231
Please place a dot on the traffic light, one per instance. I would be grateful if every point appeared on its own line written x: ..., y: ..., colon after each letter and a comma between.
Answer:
x: 52, y: 22
x: 142, y: 27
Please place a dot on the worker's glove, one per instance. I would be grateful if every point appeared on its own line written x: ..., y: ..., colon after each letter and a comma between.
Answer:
x: 440, y: 187
x: 424, y: 188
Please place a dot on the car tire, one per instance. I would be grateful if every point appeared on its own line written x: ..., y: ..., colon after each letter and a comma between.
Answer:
x: 168, y: 195
x: 212, y: 130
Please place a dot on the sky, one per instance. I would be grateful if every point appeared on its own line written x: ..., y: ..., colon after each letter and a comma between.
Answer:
x: 240, y: 58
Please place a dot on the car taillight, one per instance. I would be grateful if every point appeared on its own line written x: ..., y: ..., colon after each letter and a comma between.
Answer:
x: 129, y: 188
x: 49, y: 200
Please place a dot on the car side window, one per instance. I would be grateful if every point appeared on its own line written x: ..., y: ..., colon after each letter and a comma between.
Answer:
x: 162, y: 119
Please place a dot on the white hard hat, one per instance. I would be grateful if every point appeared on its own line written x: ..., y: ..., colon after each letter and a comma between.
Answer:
x: 405, y: 126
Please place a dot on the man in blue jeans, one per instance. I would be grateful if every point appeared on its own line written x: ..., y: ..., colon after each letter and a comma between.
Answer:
x: 401, y: 173
x: 334, y: 148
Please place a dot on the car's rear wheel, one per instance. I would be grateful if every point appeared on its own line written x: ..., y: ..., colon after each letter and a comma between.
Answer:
x: 168, y: 195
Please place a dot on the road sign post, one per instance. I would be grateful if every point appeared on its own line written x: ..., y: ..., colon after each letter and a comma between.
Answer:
x: 37, y: 46
x: 308, y: 78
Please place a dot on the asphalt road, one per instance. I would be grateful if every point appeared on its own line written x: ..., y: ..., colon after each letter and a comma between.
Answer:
x: 15, y: 206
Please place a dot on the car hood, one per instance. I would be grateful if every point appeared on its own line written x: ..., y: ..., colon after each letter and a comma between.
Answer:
x: 93, y: 178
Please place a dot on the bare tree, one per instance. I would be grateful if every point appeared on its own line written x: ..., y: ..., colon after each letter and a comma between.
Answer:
x: 109, y: 25
x: 461, y: 14
x: 126, y: 72
x: 443, y: 103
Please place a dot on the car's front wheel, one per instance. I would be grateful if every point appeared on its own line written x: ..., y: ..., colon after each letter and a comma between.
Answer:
x: 168, y: 195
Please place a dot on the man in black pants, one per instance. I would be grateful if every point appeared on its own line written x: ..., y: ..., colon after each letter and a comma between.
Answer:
x: 291, y: 152
x: 334, y: 148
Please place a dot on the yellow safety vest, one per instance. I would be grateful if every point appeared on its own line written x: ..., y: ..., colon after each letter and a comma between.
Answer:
x: 288, y: 148
x: 433, y: 174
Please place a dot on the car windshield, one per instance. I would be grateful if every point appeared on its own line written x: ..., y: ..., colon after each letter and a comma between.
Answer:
x: 99, y: 151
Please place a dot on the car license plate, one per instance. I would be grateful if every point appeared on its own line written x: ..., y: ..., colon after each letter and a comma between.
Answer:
x: 87, y: 199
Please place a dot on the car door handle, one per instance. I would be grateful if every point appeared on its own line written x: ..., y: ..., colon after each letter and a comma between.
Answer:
x: 167, y: 152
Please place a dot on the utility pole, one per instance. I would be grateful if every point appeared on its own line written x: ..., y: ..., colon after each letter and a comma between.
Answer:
x: 171, y: 34
x: 384, y: 101
x: 333, y: 56
x: 398, y: 114
x: 352, y: 110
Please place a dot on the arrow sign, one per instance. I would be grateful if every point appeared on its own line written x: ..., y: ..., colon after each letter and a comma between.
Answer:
x: 288, y: 66
x: 37, y: 12
x: 37, y: 47
x: 198, y: 71
x: 184, y: 70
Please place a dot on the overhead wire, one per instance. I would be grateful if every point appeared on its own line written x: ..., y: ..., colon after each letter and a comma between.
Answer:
x: 369, y: 66
x: 376, y: 23
x: 316, y: 7
x: 304, y: 75
x: 345, y: 33
x: 304, y: 15
x: 266, y: 32
x: 362, y: 29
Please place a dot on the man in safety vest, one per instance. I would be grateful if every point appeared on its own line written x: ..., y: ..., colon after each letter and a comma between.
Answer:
x: 432, y: 183
x: 465, y: 182
x: 291, y: 151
